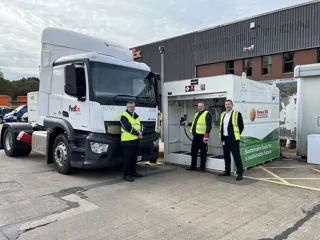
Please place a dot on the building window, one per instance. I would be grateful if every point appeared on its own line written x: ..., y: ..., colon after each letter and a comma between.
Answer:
x: 288, y: 62
x: 230, y: 67
x: 266, y: 65
x: 247, y: 67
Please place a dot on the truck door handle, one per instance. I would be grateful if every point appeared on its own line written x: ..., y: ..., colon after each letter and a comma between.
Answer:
x: 65, y: 114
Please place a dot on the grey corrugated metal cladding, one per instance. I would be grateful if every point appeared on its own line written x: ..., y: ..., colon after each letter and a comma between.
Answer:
x: 286, y: 30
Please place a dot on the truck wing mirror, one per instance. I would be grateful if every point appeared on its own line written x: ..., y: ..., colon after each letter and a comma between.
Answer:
x: 70, y: 86
x: 157, y: 77
x: 157, y: 86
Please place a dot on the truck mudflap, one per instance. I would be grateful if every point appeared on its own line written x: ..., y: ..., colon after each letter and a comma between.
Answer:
x: 99, y: 151
x: 16, y: 128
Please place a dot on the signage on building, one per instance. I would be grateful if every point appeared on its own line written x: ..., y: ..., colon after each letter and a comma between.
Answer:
x: 193, y: 88
x: 189, y: 88
x: 258, y: 114
x: 194, y: 82
x: 262, y: 114
x: 136, y: 53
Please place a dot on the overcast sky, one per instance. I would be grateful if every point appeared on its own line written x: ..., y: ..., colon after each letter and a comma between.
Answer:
x: 130, y: 22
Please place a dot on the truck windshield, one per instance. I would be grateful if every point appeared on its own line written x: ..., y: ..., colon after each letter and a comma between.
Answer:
x: 110, y: 80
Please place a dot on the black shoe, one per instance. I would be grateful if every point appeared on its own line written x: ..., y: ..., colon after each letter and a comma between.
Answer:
x: 224, y: 174
x: 138, y: 175
x: 202, y: 170
x: 190, y: 169
x: 129, y: 179
x: 239, y: 178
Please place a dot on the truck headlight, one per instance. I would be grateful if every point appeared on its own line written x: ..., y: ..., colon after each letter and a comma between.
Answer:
x: 98, y: 147
x: 156, y: 143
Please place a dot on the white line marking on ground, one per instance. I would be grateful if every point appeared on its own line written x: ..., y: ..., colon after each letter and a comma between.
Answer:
x: 315, y: 169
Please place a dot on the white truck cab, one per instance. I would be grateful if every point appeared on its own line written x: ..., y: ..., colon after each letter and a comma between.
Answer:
x: 85, y: 84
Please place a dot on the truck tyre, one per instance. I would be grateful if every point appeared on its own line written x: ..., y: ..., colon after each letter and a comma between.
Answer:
x: 9, y: 143
x: 24, y: 152
x: 61, y: 154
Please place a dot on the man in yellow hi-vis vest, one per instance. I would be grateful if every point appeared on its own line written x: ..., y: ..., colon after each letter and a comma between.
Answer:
x: 200, y: 129
x: 130, y: 137
x: 231, y: 127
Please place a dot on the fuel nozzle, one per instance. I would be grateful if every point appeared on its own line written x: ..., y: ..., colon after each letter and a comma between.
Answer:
x: 183, y: 120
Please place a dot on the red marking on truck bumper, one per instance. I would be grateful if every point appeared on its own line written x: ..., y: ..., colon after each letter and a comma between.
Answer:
x: 25, y: 137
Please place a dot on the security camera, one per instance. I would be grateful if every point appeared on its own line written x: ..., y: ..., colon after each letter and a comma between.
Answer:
x: 161, y: 49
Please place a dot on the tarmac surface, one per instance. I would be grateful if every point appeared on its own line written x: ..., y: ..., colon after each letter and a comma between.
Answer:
x: 277, y: 200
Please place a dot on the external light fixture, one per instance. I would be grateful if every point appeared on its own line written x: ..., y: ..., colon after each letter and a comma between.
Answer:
x: 248, y: 48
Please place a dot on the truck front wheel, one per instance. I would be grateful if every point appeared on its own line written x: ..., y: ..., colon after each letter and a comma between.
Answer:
x: 61, y: 154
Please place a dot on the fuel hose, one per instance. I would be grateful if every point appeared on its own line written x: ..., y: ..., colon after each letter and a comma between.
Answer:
x: 185, y: 131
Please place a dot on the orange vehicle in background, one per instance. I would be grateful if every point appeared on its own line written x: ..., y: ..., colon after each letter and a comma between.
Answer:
x: 21, y: 100
x: 5, y: 100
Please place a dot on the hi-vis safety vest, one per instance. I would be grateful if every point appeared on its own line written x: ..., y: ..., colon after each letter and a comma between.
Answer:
x: 201, y: 126
x: 135, y: 123
x: 234, y: 117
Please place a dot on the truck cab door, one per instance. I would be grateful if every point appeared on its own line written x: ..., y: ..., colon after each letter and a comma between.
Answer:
x: 75, y: 110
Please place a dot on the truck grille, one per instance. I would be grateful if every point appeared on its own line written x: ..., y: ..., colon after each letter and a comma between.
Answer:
x: 149, y: 127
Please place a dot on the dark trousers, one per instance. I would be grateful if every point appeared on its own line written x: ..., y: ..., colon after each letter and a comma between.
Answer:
x: 198, y: 144
x: 230, y: 145
x: 130, y: 153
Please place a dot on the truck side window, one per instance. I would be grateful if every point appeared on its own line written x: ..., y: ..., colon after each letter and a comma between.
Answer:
x: 75, y: 81
x: 81, y: 79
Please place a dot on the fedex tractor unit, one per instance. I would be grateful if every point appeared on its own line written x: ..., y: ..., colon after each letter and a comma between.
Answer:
x: 85, y: 84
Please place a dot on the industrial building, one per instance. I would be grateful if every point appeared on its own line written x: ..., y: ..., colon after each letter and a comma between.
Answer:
x: 265, y: 47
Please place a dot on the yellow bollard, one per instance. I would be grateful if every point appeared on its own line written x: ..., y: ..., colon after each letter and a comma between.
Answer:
x: 15, y: 117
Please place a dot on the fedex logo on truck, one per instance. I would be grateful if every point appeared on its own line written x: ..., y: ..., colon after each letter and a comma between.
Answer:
x: 74, y: 108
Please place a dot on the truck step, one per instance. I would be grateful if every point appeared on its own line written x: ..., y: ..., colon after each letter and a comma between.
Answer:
x: 78, y: 149
x: 81, y: 137
x: 39, y: 142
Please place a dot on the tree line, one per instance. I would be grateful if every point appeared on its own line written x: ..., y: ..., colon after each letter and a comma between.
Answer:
x: 18, y: 87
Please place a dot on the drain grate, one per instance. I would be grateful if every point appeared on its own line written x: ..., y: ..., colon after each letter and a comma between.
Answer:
x: 6, y: 186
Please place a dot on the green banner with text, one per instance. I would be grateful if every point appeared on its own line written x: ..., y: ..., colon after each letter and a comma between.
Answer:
x: 254, y: 151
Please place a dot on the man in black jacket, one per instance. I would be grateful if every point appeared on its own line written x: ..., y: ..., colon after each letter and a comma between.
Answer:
x: 231, y: 127
x: 200, y: 129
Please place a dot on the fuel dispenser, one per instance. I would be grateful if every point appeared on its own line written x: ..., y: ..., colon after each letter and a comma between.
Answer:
x: 260, y: 139
x: 215, y: 110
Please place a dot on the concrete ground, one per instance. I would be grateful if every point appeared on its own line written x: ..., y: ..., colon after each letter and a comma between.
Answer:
x: 278, y: 200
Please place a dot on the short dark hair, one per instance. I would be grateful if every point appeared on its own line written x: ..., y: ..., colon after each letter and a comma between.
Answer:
x: 228, y: 100
x: 202, y: 102
x: 131, y: 102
